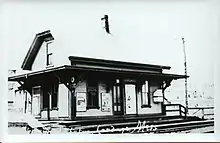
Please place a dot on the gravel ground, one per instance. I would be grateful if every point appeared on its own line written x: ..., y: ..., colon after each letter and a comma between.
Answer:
x: 22, y: 130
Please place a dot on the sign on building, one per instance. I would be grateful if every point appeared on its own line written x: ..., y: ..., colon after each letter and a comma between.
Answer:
x: 106, y: 102
x: 81, y: 101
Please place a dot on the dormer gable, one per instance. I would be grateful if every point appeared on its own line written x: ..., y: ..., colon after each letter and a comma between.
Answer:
x: 39, y: 39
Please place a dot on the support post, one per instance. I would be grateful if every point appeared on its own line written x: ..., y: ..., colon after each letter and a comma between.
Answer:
x: 165, y: 85
x: 31, y: 104
x: 73, y: 104
x: 163, y: 106
x: 26, y: 103
x: 185, y: 65
x: 203, y: 113
x: 180, y: 111
x: 48, y: 109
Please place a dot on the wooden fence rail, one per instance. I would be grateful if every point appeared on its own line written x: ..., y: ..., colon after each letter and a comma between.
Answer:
x: 202, y: 109
x: 182, y: 110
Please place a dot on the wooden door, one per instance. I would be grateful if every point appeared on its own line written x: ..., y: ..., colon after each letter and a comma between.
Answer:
x: 118, y: 99
x: 130, y: 95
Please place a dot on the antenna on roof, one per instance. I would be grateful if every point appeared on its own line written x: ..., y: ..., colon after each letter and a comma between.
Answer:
x: 105, y: 18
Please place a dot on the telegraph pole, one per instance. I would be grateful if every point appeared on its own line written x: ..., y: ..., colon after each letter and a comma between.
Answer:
x: 185, y: 65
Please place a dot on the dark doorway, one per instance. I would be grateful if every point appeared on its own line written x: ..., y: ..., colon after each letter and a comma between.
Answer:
x: 118, y: 98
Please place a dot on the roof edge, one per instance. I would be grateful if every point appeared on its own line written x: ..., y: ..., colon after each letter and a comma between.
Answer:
x: 86, y: 59
x: 70, y: 67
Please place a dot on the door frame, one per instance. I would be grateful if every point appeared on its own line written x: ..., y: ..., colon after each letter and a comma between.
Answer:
x: 39, y: 96
x: 136, y: 99
x: 121, y: 92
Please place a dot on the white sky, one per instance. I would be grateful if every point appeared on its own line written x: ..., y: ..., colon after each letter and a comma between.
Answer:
x: 146, y: 32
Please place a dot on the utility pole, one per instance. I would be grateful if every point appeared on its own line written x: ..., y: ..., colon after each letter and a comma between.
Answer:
x: 185, y: 65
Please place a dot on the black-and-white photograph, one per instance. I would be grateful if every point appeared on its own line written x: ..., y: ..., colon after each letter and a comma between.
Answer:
x: 116, y: 67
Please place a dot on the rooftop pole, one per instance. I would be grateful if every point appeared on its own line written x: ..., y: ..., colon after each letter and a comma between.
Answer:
x: 185, y: 65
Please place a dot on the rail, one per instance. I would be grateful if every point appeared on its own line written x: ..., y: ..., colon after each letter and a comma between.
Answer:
x: 202, y: 109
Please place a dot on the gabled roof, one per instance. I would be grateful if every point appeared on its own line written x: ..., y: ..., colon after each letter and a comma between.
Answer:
x: 35, y: 47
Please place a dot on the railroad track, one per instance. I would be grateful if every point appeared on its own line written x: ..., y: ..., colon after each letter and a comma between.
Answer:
x: 180, y: 127
x: 119, y: 124
x: 163, y: 126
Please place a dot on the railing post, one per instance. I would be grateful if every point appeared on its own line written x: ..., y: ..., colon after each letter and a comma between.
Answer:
x: 203, y: 114
x: 163, y: 109
x: 180, y: 110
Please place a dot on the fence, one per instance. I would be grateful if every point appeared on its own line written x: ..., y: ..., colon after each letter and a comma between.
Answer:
x: 178, y: 109
x: 175, y: 109
x: 202, y: 112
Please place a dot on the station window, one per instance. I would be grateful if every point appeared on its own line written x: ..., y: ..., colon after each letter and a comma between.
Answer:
x: 145, y: 96
x: 92, y: 94
x: 49, y: 55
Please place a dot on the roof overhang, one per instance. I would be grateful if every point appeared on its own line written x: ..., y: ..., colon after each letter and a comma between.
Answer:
x: 162, y: 76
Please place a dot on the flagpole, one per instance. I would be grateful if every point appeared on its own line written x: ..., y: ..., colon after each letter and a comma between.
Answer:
x: 185, y: 65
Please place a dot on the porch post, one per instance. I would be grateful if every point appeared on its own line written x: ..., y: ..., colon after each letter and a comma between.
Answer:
x: 163, y: 107
x: 165, y: 85
x: 73, y: 104
x: 73, y: 98
x: 48, y: 109
x: 31, y: 104
x: 26, y: 103
x: 122, y: 95
x: 136, y: 94
x: 163, y: 93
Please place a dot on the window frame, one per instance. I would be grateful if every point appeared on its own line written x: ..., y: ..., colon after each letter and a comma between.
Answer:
x: 48, y: 55
x: 147, y: 93
x: 49, y: 61
x: 88, y: 106
x: 34, y: 88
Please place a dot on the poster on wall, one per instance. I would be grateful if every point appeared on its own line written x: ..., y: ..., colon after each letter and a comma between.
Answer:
x: 106, y: 102
x: 81, y: 102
